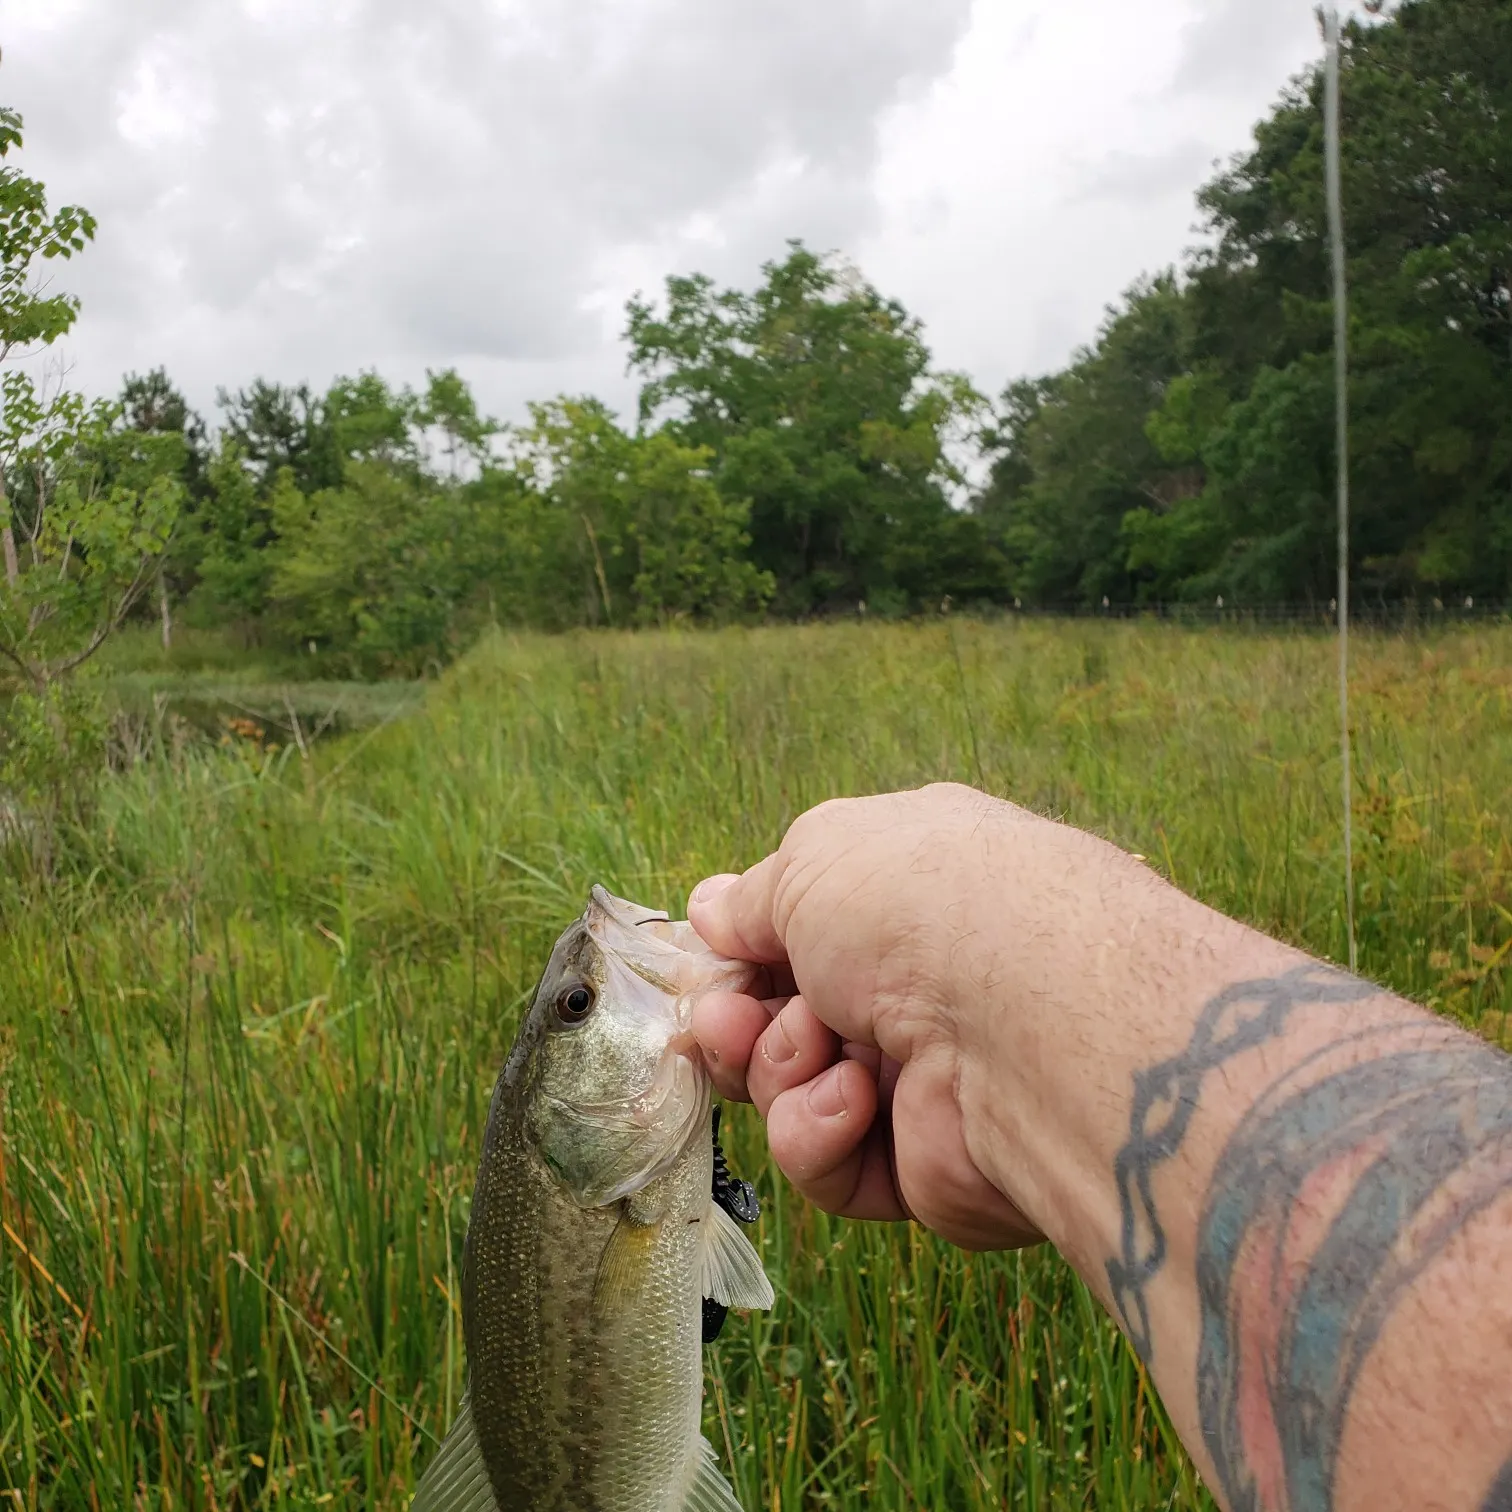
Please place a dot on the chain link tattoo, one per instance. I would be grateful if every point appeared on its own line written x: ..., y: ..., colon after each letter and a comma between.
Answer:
x: 1240, y: 1018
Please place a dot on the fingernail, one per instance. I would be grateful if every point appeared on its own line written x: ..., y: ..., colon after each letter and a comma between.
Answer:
x: 775, y: 1044
x: 711, y: 887
x: 826, y: 1097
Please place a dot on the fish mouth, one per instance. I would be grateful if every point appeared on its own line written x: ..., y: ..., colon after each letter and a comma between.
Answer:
x: 624, y: 1143
x: 668, y: 955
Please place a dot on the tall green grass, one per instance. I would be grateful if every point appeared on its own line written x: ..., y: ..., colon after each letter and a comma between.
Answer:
x: 250, y: 1020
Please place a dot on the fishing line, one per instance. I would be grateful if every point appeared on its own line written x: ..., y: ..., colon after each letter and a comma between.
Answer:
x: 955, y: 651
x: 1335, y: 183
x: 346, y: 1360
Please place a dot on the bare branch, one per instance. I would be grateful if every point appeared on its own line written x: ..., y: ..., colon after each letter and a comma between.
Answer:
x: 112, y: 621
x: 24, y: 667
x: 69, y: 663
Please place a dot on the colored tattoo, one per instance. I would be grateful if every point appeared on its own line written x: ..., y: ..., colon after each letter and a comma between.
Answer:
x: 1500, y: 1499
x: 1165, y: 1097
x: 1346, y: 1179
x: 1340, y: 1187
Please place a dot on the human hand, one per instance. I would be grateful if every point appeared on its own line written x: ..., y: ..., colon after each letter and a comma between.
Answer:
x: 872, y: 1016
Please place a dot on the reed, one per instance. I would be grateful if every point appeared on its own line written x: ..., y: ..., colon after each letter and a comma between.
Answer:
x: 250, y: 1020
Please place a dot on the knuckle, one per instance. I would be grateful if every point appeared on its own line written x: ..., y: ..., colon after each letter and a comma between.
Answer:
x: 957, y: 796
x: 813, y: 825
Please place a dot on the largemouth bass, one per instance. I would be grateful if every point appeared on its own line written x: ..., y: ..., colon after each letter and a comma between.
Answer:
x: 594, y: 1238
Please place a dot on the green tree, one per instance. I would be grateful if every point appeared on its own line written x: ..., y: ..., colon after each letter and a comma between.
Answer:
x: 151, y: 405
x: 448, y: 406
x: 375, y: 570
x: 1190, y: 452
x: 276, y: 426
x: 685, y: 542
x: 30, y: 316
x: 1428, y: 207
x: 86, y: 507
x: 1074, y: 457
x: 86, y: 511
x: 367, y: 421
x: 95, y: 514
x: 281, y: 448
x: 816, y: 401
x: 96, y: 510
x: 634, y: 526
x: 236, y: 533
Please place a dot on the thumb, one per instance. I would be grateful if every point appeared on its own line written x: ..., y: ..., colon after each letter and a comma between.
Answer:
x: 736, y: 916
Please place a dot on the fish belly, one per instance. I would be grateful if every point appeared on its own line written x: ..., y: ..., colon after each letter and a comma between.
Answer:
x: 579, y: 1406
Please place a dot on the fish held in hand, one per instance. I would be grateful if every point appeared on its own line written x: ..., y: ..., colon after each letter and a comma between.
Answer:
x: 594, y: 1239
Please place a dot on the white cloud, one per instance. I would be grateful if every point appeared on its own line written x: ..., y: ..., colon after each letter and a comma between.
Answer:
x: 1059, y: 159
x: 302, y: 187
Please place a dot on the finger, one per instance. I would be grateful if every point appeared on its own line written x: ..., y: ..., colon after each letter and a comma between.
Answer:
x: 735, y: 914
x: 884, y: 1069
x: 826, y: 1140
x: 727, y: 1026
x: 864, y: 1055
x: 793, y: 1049
x: 938, y: 1173
x: 774, y: 980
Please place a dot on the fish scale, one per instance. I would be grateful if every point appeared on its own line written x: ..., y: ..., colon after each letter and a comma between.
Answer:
x: 583, y: 1318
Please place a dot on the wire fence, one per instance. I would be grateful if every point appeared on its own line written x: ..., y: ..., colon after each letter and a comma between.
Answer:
x: 1322, y: 615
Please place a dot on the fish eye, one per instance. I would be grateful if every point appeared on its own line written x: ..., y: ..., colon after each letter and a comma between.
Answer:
x: 574, y: 1004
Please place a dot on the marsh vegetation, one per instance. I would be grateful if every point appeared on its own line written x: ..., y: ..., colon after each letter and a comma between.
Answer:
x: 252, y: 1010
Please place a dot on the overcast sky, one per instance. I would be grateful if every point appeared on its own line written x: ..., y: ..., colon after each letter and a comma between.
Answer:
x: 297, y: 188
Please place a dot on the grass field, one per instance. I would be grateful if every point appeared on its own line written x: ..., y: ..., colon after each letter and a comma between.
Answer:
x: 249, y: 1027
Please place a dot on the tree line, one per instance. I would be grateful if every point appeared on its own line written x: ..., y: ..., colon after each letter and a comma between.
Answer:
x: 795, y: 451
x: 1190, y: 451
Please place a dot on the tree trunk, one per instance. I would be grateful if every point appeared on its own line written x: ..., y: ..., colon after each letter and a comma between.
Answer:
x: 8, y: 540
x: 165, y: 612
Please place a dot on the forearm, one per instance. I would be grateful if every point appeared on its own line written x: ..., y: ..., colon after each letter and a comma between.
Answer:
x: 1293, y: 1190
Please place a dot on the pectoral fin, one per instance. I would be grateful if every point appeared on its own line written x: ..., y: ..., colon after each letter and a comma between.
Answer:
x: 731, y: 1270
x: 457, y: 1479
x: 625, y: 1265
x: 708, y: 1490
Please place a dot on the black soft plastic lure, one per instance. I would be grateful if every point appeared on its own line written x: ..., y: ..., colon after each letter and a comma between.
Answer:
x: 738, y: 1199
